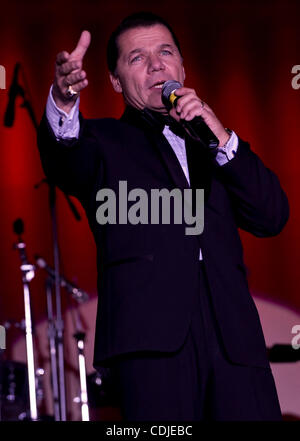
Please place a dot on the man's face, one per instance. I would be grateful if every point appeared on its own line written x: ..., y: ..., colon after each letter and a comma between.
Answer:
x: 148, y: 57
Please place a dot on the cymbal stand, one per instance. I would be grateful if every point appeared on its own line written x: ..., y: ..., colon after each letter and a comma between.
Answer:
x: 28, y: 273
x: 80, y: 296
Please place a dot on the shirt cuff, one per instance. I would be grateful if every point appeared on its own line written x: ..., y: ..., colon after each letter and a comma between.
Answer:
x: 64, y: 125
x: 227, y: 151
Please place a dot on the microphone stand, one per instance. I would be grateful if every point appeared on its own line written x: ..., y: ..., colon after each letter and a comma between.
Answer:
x: 28, y: 273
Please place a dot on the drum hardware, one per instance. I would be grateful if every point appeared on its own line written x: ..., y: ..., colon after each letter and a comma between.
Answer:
x: 79, y: 336
x: 9, y: 384
x: 53, y: 335
x: 14, y: 397
x: 28, y: 273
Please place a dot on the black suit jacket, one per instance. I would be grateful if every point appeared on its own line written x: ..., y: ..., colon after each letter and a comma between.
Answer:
x: 147, y: 274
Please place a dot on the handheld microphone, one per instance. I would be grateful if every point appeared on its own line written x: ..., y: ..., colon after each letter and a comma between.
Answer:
x: 196, y: 128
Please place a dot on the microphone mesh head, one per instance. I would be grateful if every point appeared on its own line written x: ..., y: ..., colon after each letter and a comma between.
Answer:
x: 169, y: 87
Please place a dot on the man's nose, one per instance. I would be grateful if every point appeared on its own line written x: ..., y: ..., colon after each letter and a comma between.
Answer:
x: 155, y: 63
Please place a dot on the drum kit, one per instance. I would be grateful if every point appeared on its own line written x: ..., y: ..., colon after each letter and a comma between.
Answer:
x: 22, y: 385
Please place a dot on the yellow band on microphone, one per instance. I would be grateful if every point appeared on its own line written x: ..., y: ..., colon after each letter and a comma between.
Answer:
x: 172, y: 98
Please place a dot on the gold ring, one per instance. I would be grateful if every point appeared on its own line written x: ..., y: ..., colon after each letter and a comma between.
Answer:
x: 70, y: 91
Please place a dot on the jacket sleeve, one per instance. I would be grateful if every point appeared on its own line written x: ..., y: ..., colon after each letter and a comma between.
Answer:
x: 259, y: 203
x: 70, y: 164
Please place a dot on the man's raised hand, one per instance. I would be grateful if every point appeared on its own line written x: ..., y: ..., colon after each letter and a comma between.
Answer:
x: 68, y: 72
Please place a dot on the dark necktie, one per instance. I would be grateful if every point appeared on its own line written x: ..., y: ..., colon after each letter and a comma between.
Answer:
x: 159, y: 121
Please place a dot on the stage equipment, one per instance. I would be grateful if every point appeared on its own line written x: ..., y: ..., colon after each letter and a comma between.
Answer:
x: 28, y: 273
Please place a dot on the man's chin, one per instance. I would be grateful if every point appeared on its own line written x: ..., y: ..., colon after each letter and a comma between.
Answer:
x: 156, y: 105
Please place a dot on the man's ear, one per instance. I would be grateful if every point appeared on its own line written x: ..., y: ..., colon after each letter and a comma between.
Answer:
x: 183, y: 73
x: 115, y: 83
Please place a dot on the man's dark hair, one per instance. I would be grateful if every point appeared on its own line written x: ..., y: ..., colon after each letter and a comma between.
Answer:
x: 133, y: 21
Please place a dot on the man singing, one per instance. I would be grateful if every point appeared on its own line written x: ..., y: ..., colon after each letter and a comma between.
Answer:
x: 176, y: 322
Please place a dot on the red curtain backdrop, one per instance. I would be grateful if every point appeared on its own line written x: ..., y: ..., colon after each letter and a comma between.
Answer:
x: 238, y: 55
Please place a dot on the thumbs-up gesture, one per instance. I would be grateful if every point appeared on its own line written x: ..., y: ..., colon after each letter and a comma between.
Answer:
x: 70, y: 79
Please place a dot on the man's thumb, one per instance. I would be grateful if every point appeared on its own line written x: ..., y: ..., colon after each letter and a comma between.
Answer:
x: 82, y: 45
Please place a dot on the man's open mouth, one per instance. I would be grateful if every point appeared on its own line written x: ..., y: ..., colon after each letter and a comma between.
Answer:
x: 158, y: 85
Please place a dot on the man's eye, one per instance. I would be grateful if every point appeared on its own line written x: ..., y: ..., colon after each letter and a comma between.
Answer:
x: 166, y: 52
x: 137, y: 58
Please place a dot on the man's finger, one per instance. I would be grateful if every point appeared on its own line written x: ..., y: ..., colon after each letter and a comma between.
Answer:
x: 82, y: 45
x: 74, y: 77
x: 184, y: 90
x: 69, y: 67
x: 62, y: 57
